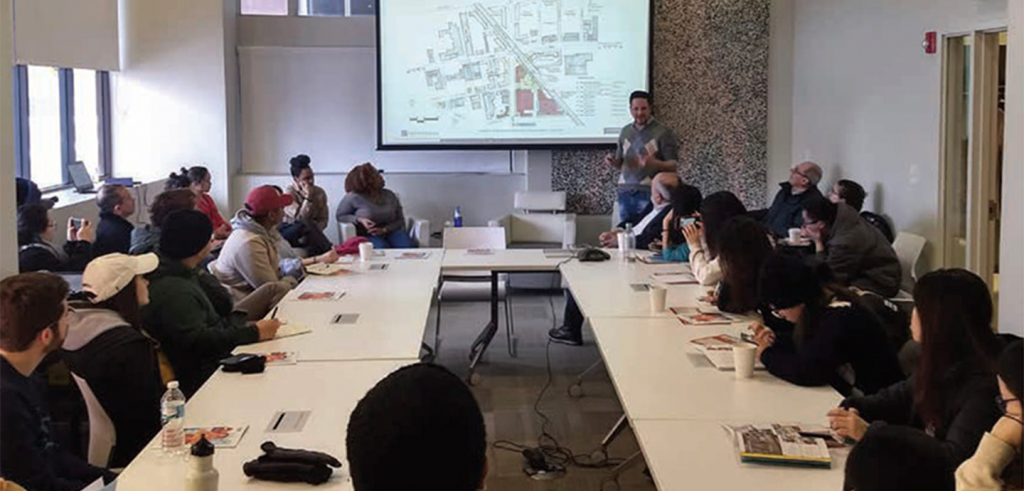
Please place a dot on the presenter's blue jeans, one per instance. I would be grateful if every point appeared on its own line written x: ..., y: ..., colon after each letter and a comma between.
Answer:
x: 396, y: 239
x: 632, y: 203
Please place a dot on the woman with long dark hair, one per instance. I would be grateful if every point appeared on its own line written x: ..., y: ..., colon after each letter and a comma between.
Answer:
x: 835, y: 340
x: 36, y: 251
x: 702, y: 236
x: 952, y: 394
x: 306, y: 218
x: 106, y: 347
x: 197, y: 179
x: 743, y: 247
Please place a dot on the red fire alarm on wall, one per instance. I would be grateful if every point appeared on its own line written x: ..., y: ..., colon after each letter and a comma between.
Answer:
x: 930, y: 44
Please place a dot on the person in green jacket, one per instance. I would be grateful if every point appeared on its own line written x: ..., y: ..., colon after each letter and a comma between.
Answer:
x: 190, y: 313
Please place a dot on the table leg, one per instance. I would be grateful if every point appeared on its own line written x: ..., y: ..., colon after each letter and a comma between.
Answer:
x: 484, y: 339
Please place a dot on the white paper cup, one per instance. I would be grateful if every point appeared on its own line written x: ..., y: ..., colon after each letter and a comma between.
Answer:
x: 743, y: 357
x: 365, y: 251
x: 657, y: 295
x: 794, y: 235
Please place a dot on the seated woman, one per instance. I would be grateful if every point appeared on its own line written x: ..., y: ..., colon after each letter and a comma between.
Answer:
x: 36, y: 251
x: 702, y: 236
x: 147, y: 239
x: 197, y: 179
x: 951, y: 395
x: 375, y: 211
x: 997, y: 462
x: 743, y: 247
x: 896, y: 458
x: 306, y: 218
x: 106, y: 347
x: 686, y: 201
x: 835, y: 340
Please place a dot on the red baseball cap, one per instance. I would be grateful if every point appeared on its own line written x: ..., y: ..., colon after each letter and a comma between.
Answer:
x: 265, y: 199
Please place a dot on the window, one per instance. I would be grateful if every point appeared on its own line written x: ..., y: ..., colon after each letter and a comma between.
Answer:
x: 309, y: 8
x: 61, y: 116
x: 334, y: 8
x: 264, y: 7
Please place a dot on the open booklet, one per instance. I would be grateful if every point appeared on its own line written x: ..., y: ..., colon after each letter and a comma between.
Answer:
x: 675, y: 278
x: 718, y: 350
x: 324, y: 269
x: 780, y: 444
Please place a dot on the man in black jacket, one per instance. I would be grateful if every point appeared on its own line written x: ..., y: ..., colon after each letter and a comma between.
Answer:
x: 34, y: 313
x: 648, y: 228
x: 114, y: 233
x: 802, y: 186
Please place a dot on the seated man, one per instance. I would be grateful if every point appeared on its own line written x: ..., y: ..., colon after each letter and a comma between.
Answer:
x: 856, y: 252
x: 33, y: 310
x: 419, y: 428
x: 853, y: 194
x: 189, y: 312
x: 802, y: 186
x: 648, y: 229
x: 250, y: 257
x: 114, y: 233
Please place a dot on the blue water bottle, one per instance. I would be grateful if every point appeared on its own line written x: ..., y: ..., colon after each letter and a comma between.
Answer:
x: 458, y: 217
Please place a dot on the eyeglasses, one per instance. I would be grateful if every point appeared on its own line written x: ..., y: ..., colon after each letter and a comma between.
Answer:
x: 796, y: 171
x: 1002, y: 403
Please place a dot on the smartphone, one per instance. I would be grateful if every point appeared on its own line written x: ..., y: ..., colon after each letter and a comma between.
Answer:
x: 688, y: 221
x: 76, y: 223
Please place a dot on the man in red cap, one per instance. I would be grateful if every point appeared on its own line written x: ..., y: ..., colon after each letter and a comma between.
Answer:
x: 250, y: 257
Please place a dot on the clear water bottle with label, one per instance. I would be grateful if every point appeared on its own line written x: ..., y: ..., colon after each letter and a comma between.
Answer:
x: 628, y: 243
x: 172, y: 417
x: 458, y: 216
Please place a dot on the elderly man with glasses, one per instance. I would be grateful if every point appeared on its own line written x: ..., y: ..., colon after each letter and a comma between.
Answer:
x: 785, y: 212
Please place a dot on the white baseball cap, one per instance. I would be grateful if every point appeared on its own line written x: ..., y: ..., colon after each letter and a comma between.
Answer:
x: 107, y: 275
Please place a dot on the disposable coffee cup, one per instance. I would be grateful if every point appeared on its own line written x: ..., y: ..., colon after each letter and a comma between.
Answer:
x: 743, y: 358
x: 794, y: 235
x: 658, y: 294
x: 365, y: 251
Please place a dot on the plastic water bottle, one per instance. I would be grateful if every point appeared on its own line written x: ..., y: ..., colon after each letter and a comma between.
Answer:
x: 172, y: 417
x: 458, y: 216
x: 630, y: 241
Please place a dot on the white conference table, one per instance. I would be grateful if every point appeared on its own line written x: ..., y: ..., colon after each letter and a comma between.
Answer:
x: 700, y: 455
x: 495, y: 262
x: 329, y: 390
x: 393, y: 305
x: 605, y: 289
x: 658, y: 374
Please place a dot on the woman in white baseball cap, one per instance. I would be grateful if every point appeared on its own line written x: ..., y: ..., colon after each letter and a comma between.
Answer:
x: 107, y: 347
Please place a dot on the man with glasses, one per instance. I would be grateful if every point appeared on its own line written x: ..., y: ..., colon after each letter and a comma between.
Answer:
x: 785, y: 212
x: 856, y: 252
x: 34, y: 323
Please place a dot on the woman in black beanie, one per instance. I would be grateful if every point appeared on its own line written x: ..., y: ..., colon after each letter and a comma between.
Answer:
x: 834, y: 341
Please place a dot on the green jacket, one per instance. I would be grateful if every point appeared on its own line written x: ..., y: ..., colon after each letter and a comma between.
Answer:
x: 190, y: 314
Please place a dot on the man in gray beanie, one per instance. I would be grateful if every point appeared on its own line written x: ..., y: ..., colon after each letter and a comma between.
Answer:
x: 190, y: 313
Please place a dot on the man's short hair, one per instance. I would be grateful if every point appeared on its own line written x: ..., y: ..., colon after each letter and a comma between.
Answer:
x: 897, y: 458
x: 109, y: 196
x: 641, y: 94
x: 29, y: 304
x: 852, y: 193
x: 665, y: 183
x: 821, y: 209
x: 419, y: 428
x: 814, y: 173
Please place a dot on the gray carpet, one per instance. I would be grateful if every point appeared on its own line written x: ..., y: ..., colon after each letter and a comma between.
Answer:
x: 509, y: 388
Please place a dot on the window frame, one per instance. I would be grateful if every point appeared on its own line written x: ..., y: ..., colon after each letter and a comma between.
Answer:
x: 293, y: 10
x: 22, y: 132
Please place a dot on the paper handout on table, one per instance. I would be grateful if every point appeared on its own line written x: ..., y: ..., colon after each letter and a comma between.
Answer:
x: 702, y: 317
x: 675, y: 278
x: 314, y: 295
x: 291, y: 329
x: 219, y: 436
x: 718, y: 350
x: 324, y: 269
x: 280, y: 357
x: 414, y: 255
x: 780, y: 444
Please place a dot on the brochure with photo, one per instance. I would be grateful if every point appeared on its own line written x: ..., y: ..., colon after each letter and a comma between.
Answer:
x: 780, y: 444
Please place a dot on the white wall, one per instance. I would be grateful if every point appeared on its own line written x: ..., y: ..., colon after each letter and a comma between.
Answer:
x: 8, y: 220
x: 1011, y: 277
x: 169, y: 101
x: 866, y: 98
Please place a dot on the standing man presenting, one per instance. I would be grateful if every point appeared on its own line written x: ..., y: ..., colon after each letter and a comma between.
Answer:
x: 645, y: 148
